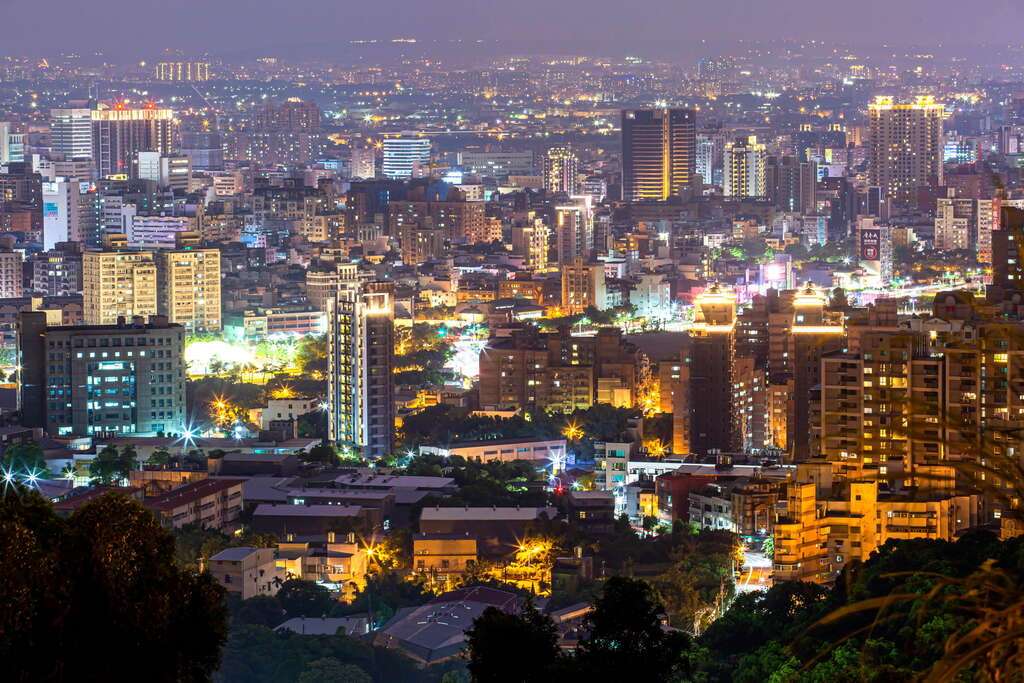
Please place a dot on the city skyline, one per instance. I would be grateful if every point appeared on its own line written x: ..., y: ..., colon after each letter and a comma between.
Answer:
x: 308, y: 27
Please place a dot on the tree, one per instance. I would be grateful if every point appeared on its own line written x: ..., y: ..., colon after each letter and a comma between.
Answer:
x: 626, y: 640
x: 322, y: 454
x: 24, y: 458
x: 111, y: 466
x: 305, y: 599
x: 69, y: 588
x: 330, y: 670
x: 511, y: 648
x: 261, y: 610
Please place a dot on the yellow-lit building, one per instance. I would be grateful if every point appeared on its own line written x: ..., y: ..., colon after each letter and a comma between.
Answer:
x: 183, y: 71
x: 442, y: 557
x: 189, y: 286
x: 830, y: 522
x: 118, y: 284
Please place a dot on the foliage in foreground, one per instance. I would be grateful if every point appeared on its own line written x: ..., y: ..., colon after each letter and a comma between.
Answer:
x: 70, y: 588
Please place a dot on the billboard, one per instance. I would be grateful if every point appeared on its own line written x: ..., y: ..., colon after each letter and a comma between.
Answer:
x: 870, y: 244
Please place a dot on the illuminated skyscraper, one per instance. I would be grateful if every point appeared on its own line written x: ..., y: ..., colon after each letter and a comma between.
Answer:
x: 561, y: 168
x: 119, y: 132
x: 71, y: 132
x: 361, y: 346
x: 658, y: 152
x: 406, y: 157
x: 745, y: 168
x: 906, y: 146
x: 574, y: 230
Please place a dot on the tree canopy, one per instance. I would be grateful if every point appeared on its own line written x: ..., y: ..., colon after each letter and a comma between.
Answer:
x: 71, y: 588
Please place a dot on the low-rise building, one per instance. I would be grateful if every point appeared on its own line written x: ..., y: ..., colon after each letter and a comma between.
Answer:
x: 247, y: 571
x: 210, y: 503
x: 502, y: 450
x: 441, y: 556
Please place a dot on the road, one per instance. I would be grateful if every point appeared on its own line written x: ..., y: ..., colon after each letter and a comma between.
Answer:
x: 756, y: 574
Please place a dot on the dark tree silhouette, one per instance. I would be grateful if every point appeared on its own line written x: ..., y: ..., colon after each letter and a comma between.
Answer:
x: 93, y: 596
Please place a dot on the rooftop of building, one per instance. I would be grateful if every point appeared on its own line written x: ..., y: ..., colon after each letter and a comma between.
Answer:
x: 486, y: 513
x: 191, y: 492
x: 233, y: 554
x: 271, y: 510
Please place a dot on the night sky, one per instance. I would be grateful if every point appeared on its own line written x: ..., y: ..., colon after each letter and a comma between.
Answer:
x: 129, y: 28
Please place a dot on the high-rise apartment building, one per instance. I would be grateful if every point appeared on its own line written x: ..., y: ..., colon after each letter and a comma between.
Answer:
x: 965, y: 224
x: 704, y: 418
x: 360, y: 394
x: 531, y: 242
x: 58, y: 271
x: 121, y: 131
x: 104, y: 380
x: 745, y: 161
x: 71, y: 132
x: 183, y: 71
x: 906, y: 145
x: 574, y: 231
x: 10, y: 273
x: 1008, y: 250
x: 363, y: 163
x: 406, y: 156
x: 118, y: 284
x: 658, y: 153
x: 583, y: 286
x: 561, y: 171
x: 188, y: 281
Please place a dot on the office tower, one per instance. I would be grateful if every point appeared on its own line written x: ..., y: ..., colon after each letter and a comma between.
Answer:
x: 658, y: 155
x: 105, y: 380
x: 363, y: 163
x: 498, y: 165
x: 745, y: 160
x: 71, y: 132
x: 360, y: 397
x: 704, y: 418
x: 583, y: 287
x: 905, y: 145
x: 12, y: 144
x: 1008, y: 250
x: 406, y: 156
x: 708, y: 158
x: 121, y: 131
x: 118, y: 284
x: 204, y: 149
x: 58, y: 271
x: 561, y: 169
x: 169, y: 172
x: 183, y: 71
x: 188, y: 280
x: 574, y: 231
x: 71, y: 211
x: 531, y: 242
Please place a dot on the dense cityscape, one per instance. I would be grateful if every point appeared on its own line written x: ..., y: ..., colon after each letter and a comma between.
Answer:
x: 424, y: 363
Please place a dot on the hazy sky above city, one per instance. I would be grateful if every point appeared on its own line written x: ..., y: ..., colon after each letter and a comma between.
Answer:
x: 129, y: 28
